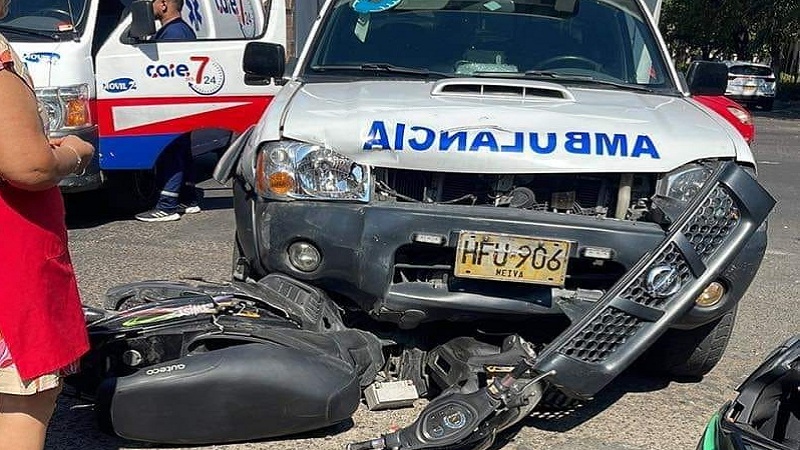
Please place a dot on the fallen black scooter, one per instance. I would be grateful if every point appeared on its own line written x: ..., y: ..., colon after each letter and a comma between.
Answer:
x: 244, y: 363
x: 210, y: 363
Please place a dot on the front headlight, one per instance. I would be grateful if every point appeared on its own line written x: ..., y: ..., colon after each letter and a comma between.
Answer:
x: 290, y: 170
x: 684, y: 183
x: 67, y: 107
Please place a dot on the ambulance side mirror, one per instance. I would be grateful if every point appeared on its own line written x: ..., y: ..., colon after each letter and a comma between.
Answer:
x: 707, y: 78
x: 262, y: 62
x: 144, y: 22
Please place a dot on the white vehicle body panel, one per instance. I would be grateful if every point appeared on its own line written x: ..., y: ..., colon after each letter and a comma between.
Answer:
x: 344, y: 116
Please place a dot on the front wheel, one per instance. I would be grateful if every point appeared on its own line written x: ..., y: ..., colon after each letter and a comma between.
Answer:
x: 690, y: 353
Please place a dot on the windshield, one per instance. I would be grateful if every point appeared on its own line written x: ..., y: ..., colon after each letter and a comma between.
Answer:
x: 604, y: 40
x: 41, y: 16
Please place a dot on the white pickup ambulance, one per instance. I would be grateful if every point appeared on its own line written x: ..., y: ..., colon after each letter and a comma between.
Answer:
x: 434, y: 161
x: 133, y: 97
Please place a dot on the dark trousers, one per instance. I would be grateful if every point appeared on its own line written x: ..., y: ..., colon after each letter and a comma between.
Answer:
x: 176, y: 167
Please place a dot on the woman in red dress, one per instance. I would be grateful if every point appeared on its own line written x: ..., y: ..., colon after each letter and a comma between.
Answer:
x: 42, y: 331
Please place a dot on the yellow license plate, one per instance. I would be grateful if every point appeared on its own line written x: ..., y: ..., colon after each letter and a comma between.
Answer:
x: 506, y: 257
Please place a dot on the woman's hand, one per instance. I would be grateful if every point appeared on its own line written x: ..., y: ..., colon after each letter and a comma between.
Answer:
x: 81, y: 150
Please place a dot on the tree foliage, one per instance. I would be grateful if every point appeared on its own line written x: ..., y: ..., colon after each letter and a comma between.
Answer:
x: 767, y: 30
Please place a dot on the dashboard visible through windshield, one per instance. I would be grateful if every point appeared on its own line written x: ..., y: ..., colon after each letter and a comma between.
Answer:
x: 607, y: 41
x: 48, y: 17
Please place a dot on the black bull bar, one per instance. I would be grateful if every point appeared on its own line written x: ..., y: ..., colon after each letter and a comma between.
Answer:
x: 661, y: 287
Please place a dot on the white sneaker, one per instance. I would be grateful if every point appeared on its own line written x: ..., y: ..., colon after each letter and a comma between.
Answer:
x: 188, y: 209
x: 156, y: 215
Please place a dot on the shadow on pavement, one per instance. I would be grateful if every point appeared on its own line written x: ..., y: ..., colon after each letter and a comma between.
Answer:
x: 74, y: 426
x: 629, y: 382
x: 96, y: 208
x: 90, y: 209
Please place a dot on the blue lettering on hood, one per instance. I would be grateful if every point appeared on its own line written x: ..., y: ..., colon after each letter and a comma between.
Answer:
x: 401, y: 136
x: 118, y: 85
x: 43, y: 57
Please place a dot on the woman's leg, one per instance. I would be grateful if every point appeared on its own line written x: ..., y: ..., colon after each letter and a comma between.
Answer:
x: 24, y: 419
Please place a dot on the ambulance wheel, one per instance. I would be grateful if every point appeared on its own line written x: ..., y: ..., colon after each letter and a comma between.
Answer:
x: 132, y: 191
x: 692, y: 353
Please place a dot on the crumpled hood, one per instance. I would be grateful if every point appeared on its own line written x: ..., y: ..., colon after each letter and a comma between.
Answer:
x: 454, y: 126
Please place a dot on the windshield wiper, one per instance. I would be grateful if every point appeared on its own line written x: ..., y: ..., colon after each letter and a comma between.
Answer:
x: 382, y: 67
x: 569, y: 78
x: 28, y: 32
x: 585, y: 79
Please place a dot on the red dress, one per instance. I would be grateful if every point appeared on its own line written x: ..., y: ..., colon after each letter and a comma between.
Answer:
x: 41, y: 321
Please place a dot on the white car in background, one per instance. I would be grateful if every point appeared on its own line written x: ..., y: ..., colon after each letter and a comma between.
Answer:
x: 751, y: 84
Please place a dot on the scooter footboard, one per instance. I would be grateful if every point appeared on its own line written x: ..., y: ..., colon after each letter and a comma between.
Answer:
x: 243, y: 392
x: 661, y: 288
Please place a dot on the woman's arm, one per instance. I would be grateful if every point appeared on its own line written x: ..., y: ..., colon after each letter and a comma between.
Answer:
x: 27, y: 160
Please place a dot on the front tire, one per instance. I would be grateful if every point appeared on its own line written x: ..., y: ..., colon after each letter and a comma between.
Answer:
x: 691, y: 353
x: 767, y: 105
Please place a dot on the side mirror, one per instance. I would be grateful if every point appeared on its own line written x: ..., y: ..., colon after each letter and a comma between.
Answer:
x: 707, y: 78
x: 263, y: 61
x: 144, y: 22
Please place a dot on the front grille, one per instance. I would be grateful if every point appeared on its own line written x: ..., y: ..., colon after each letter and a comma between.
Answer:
x: 706, y: 231
x: 637, y: 291
x: 630, y: 317
x: 715, y: 220
x: 603, y: 336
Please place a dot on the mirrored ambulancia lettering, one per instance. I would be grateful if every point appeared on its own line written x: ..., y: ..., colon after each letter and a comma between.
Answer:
x: 401, y: 136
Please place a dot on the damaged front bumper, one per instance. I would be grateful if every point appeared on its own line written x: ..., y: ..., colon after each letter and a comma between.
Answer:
x: 372, y: 255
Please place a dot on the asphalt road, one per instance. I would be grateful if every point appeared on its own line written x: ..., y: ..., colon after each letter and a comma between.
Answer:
x: 634, y: 413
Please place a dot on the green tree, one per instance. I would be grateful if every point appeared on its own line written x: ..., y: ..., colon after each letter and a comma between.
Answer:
x: 724, y: 28
x: 776, y: 27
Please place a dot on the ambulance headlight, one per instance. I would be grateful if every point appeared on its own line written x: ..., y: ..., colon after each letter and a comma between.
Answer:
x: 67, y: 107
x: 684, y: 183
x: 290, y: 170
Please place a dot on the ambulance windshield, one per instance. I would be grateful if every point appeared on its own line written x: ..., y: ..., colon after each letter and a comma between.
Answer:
x: 604, y: 40
x: 42, y: 16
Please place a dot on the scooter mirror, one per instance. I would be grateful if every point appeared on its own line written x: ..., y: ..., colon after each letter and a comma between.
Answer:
x: 144, y: 22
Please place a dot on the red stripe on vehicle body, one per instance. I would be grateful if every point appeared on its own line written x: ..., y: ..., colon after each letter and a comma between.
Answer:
x: 236, y: 118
